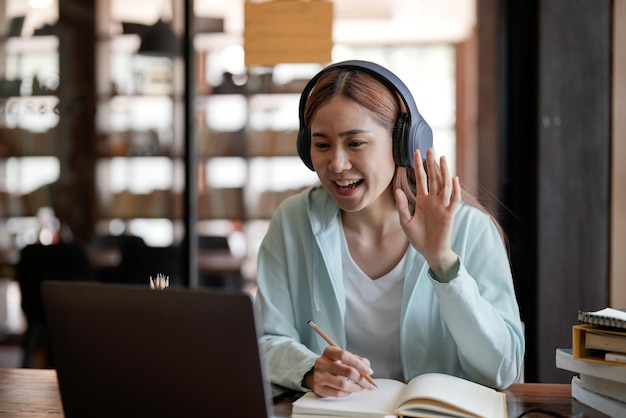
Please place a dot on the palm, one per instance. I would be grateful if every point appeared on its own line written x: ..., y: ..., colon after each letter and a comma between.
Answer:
x: 429, y: 229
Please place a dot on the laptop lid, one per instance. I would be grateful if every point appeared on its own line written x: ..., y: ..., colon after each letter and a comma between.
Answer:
x: 129, y: 351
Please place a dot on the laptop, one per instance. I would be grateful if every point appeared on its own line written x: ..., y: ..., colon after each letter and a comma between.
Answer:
x: 130, y: 351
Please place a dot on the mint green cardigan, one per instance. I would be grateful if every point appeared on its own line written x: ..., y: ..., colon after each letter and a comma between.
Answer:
x: 469, y: 327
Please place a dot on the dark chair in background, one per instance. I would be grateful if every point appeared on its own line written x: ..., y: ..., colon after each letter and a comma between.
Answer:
x: 218, y: 246
x: 120, y: 246
x: 61, y: 261
x: 137, y: 261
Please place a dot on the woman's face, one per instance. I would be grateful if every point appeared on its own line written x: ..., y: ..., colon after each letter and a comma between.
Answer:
x: 351, y: 153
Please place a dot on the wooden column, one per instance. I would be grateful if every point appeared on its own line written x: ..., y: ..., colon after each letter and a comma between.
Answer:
x: 574, y: 158
x: 618, y: 175
x: 75, y: 136
x: 550, y: 137
x: 467, y: 114
x: 488, y: 148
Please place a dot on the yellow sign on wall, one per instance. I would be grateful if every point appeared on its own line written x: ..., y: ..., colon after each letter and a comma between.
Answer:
x: 288, y: 32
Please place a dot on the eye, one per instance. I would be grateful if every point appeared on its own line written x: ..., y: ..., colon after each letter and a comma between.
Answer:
x: 355, y: 143
x: 320, y: 145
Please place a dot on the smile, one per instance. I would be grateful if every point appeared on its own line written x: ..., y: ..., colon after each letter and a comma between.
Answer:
x: 348, y: 184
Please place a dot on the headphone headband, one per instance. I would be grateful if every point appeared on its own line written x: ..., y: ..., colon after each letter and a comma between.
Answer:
x: 411, y: 131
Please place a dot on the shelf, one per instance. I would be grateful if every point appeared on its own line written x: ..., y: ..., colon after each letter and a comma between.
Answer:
x: 30, y: 113
x: 16, y: 142
x: 135, y: 144
x: 19, y: 45
x: 273, y: 144
x: 222, y: 203
x: 156, y: 204
x: 14, y: 205
x: 212, y: 143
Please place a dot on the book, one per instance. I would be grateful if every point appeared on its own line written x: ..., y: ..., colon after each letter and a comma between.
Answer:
x: 565, y: 360
x: 604, y: 404
x: 427, y: 395
x: 593, y: 342
x: 608, y: 317
x: 606, y: 342
x: 619, y: 357
x: 606, y: 387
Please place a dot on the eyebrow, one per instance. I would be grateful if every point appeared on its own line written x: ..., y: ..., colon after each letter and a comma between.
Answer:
x: 342, y: 134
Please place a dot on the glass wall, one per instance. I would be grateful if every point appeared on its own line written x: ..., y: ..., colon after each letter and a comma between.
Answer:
x: 245, y: 125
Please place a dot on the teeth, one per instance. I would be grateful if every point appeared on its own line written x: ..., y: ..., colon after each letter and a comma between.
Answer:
x: 346, y: 183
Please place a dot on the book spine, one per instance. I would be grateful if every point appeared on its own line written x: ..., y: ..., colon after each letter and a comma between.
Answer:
x: 617, y: 357
x: 606, y: 387
x: 596, y: 401
x: 594, y: 367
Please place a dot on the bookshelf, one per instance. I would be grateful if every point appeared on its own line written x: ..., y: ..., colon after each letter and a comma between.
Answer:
x: 139, y: 165
x: 30, y: 153
x: 245, y: 130
x: 246, y: 125
x: 133, y: 163
x: 125, y: 164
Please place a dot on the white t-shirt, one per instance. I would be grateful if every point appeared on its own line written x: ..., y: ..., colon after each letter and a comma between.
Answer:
x: 373, y: 315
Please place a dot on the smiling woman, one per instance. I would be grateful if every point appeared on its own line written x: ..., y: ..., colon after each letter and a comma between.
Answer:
x: 383, y: 255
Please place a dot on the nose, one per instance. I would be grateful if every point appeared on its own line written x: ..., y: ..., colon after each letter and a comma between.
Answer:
x: 339, y: 161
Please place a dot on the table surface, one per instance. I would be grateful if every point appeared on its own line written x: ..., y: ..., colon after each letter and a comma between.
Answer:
x: 34, y: 393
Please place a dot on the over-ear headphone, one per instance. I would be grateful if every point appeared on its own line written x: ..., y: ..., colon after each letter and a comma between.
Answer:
x: 410, y: 133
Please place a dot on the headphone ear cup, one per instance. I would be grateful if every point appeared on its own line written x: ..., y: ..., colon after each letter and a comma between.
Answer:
x: 303, y: 143
x: 399, y: 140
x: 422, y: 138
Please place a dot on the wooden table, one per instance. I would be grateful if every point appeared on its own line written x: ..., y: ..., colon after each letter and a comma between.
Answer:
x: 34, y: 393
x: 29, y: 393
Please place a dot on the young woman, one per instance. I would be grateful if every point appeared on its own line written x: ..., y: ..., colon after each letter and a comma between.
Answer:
x: 402, y: 273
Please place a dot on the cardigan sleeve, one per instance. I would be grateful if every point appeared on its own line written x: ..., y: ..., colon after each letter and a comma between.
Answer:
x: 480, y: 306
x: 286, y: 358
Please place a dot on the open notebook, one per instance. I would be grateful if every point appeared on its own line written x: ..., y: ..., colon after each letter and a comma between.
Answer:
x: 129, y: 351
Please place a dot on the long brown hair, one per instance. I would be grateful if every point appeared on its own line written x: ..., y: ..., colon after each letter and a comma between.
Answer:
x: 368, y: 92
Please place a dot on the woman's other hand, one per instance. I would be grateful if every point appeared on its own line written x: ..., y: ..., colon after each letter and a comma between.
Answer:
x: 338, y: 373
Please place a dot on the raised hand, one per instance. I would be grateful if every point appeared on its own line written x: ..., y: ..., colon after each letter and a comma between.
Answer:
x: 429, y: 229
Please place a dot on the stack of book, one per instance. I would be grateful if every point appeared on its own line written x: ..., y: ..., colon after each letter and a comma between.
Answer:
x: 598, y: 357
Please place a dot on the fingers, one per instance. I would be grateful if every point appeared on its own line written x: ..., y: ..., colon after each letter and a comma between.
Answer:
x: 420, y: 174
x: 339, y: 373
x: 456, y: 198
x: 434, y: 173
x: 352, y: 366
x: 426, y: 183
x: 436, y: 178
x: 451, y: 186
x: 446, y: 183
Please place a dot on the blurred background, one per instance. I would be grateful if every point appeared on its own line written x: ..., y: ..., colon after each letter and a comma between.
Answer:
x: 158, y: 136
